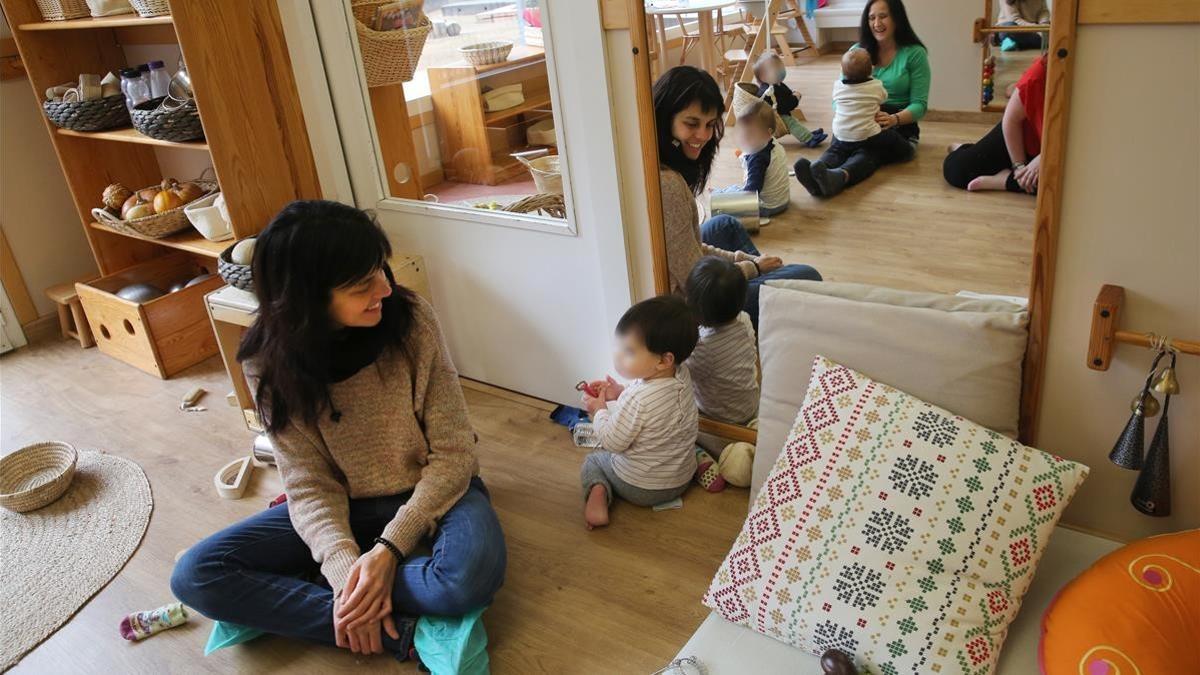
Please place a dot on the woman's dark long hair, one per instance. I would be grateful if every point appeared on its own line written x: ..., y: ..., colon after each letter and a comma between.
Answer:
x: 309, y: 249
x: 905, y: 35
x: 675, y: 90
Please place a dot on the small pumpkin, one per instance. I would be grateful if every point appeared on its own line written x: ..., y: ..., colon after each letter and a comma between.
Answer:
x: 139, y: 210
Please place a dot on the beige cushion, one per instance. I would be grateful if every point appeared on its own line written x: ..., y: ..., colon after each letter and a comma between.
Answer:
x: 961, y: 354
x: 729, y: 649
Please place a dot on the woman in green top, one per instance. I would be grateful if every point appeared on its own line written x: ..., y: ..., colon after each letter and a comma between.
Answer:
x: 902, y: 65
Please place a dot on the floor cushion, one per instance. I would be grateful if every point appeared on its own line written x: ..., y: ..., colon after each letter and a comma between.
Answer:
x: 724, y: 648
x: 961, y: 354
x: 1136, y: 610
x: 893, y: 530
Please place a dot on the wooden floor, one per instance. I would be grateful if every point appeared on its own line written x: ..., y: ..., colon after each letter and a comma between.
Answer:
x: 619, y: 600
x: 905, y: 227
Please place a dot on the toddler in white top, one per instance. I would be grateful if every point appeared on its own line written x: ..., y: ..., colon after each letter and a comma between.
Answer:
x: 724, y: 365
x: 647, y: 430
x: 858, y: 140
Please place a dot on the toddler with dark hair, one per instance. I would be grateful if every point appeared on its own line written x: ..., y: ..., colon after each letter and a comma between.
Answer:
x: 724, y: 365
x: 647, y: 430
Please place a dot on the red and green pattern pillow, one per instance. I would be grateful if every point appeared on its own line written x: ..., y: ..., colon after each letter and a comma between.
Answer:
x: 892, y: 530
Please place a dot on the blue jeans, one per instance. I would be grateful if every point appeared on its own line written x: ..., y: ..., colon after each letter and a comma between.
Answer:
x: 725, y: 232
x: 260, y: 574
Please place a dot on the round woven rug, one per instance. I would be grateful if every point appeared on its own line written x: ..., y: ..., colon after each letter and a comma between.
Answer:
x: 54, y: 559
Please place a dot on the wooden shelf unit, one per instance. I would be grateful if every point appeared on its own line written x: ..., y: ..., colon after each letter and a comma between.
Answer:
x: 469, y: 136
x: 262, y: 161
x: 86, y: 23
x: 132, y: 135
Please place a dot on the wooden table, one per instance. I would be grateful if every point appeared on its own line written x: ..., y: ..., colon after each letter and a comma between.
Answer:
x: 704, y: 10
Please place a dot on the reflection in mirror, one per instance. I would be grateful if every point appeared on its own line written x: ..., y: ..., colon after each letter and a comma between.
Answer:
x: 779, y: 162
x: 461, y: 97
x: 1007, y: 54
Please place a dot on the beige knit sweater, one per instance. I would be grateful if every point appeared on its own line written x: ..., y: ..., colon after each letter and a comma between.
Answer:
x: 403, y: 427
x: 681, y: 220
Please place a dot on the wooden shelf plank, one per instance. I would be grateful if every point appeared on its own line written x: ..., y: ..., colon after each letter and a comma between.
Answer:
x: 188, y: 240
x: 131, y: 135
x: 541, y: 101
x: 118, y: 21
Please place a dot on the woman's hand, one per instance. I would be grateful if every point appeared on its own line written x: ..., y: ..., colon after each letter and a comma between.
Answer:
x: 367, y: 596
x: 1028, y: 175
x: 886, y: 120
x: 768, y: 263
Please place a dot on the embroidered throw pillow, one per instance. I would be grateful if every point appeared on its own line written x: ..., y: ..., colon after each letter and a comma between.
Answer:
x: 892, y: 530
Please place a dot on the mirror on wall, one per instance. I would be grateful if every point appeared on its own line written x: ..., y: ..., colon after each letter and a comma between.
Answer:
x: 836, y: 164
x: 1016, y: 35
x: 462, y: 103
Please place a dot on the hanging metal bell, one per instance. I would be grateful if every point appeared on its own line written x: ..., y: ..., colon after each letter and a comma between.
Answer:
x: 1149, y: 405
x: 1167, y: 383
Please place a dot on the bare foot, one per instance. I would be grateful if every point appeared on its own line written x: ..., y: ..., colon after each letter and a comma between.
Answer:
x: 595, y: 513
x: 994, y: 182
x: 953, y: 146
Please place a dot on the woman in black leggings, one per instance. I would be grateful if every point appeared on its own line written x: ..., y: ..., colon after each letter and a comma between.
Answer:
x: 1009, y: 156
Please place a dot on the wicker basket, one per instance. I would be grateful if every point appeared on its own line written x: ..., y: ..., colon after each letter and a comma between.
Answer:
x: 234, y: 274
x: 95, y: 115
x: 176, y: 124
x: 59, y: 10
x: 158, y: 225
x: 389, y: 56
x: 549, y: 204
x: 486, y: 53
x: 36, y: 475
x: 149, y: 8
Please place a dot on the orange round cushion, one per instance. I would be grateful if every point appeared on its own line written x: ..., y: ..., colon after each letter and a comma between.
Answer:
x: 1136, y: 611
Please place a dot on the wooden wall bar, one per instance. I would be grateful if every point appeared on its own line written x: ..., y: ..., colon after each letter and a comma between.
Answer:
x: 1138, y: 11
x: 251, y: 108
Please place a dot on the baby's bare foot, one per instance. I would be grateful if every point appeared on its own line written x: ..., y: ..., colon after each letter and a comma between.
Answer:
x: 595, y: 512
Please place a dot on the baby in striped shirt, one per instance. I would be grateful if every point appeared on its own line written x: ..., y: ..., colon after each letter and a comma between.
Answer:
x: 724, y: 365
x: 647, y: 430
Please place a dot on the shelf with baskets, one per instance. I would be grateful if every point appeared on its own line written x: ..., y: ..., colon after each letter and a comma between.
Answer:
x: 187, y: 240
x: 263, y: 160
x: 87, y: 23
x: 131, y: 135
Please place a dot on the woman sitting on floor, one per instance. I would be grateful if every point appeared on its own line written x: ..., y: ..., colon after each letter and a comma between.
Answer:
x: 688, y: 107
x: 1009, y: 156
x: 902, y: 65
x: 1021, y: 13
x: 377, y: 455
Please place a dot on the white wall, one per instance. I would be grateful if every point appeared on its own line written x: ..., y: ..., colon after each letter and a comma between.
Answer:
x: 36, y: 210
x: 1131, y: 217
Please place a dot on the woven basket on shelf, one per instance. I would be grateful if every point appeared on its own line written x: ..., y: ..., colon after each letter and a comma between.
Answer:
x: 36, y: 475
x: 59, y: 10
x: 234, y: 274
x: 94, y: 115
x: 149, y: 8
x: 158, y: 225
x: 176, y: 125
x: 549, y: 204
x: 389, y: 56
x: 486, y: 53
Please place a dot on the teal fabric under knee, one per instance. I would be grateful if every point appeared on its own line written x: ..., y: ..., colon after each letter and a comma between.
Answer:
x: 453, y: 645
x: 227, y: 635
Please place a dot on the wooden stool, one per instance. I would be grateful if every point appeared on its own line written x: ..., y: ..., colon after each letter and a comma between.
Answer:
x: 71, y: 320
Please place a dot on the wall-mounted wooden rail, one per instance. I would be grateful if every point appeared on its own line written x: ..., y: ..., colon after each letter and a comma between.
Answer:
x: 1106, y: 314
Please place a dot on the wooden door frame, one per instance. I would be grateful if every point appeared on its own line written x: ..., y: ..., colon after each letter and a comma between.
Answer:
x: 1049, y: 200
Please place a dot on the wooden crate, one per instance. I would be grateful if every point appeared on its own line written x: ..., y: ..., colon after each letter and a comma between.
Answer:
x: 162, y: 336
